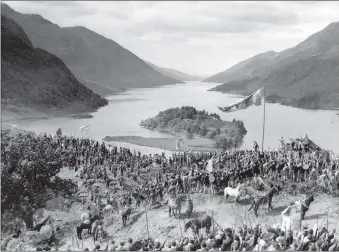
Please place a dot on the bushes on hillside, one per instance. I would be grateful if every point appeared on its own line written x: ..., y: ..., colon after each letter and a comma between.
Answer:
x: 28, y: 166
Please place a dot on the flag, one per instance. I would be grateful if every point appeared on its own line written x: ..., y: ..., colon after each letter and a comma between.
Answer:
x: 291, y: 216
x: 255, y: 98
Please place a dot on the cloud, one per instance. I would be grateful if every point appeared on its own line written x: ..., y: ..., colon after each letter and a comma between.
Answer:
x: 198, y: 37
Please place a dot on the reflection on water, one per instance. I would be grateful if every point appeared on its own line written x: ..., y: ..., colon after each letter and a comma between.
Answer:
x: 125, y: 111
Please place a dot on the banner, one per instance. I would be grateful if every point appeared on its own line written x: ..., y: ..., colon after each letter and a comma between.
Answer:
x: 255, y: 98
x: 291, y: 217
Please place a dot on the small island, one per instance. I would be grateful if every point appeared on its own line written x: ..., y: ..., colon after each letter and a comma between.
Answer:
x: 191, y: 123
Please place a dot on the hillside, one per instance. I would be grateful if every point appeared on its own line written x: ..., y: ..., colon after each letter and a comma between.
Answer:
x: 194, y: 123
x: 246, y: 68
x: 304, y: 76
x: 37, y: 83
x: 175, y: 74
x: 101, y: 63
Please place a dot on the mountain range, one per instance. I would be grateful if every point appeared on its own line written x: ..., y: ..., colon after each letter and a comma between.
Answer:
x: 175, y: 74
x: 36, y: 83
x: 306, y: 75
x: 99, y: 63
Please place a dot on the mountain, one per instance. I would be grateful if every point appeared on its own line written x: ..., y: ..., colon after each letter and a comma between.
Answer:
x: 246, y: 68
x: 306, y: 75
x: 35, y: 82
x: 175, y: 74
x: 100, y: 63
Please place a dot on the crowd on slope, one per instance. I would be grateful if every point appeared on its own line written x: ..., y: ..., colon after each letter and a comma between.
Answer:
x: 107, y: 163
x: 240, y: 238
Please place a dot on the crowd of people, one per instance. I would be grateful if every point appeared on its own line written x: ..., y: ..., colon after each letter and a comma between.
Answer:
x: 190, y: 172
x: 240, y: 238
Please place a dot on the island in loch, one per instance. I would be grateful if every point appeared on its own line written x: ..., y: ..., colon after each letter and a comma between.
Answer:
x: 195, y: 130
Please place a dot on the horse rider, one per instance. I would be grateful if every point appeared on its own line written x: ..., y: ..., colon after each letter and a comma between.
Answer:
x: 86, y: 216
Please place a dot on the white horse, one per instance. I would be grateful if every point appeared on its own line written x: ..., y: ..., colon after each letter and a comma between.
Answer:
x: 108, y: 208
x: 235, y: 192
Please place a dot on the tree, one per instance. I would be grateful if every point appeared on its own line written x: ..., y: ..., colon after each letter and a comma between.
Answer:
x: 26, y: 176
x: 203, y: 130
x: 212, y: 134
x: 223, y: 143
x: 189, y: 135
x: 217, y: 131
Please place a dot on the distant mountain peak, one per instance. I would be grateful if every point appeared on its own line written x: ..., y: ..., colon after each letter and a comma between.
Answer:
x: 173, y: 73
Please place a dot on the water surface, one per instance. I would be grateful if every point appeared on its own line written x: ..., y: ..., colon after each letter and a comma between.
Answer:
x: 124, y: 112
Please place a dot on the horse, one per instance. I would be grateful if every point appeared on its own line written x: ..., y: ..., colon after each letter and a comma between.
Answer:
x: 305, y: 205
x: 263, y: 199
x: 125, y: 215
x: 109, y: 208
x: 197, y: 224
x: 235, y: 192
x: 138, y: 198
x: 87, y: 226
x: 191, y: 180
x: 174, y: 203
x: 185, y: 184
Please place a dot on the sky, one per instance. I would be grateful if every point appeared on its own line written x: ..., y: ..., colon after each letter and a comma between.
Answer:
x: 201, y: 38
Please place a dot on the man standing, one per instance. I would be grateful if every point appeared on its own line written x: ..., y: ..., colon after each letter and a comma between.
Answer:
x: 270, y: 194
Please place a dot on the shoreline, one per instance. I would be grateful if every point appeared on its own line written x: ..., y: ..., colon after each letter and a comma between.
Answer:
x: 169, y: 144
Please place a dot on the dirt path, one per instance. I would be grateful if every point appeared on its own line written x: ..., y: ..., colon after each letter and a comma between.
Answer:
x: 162, y: 227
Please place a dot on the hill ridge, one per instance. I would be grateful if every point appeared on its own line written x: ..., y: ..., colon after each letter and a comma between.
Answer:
x: 305, y: 75
x: 112, y: 66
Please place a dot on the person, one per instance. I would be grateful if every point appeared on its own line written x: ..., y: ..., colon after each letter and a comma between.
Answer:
x: 190, y: 207
x: 121, y: 247
x: 191, y: 246
x: 270, y: 197
x: 129, y: 245
x: 255, y: 146
x: 114, y: 247
x: 204, y: 247
x: 157, y: 246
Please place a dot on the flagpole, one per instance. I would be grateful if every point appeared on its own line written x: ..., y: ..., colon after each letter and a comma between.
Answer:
x: 263, y: 126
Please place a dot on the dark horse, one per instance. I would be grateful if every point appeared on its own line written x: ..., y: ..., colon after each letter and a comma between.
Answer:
x: 125, y: 215
x: 138, y: 198
x: 305, y: 205
x: 88, y: 226
x: 197, y: 224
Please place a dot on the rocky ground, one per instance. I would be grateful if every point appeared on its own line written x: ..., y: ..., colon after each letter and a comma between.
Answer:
x: 163, y: 227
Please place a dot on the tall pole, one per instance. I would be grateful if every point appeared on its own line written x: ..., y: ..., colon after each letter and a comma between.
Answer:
x: 263, y: 127
x: 147, y: 222
x: 213, y: 222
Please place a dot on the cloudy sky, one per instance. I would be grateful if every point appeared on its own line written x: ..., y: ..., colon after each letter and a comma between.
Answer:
x: 196, y: 37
